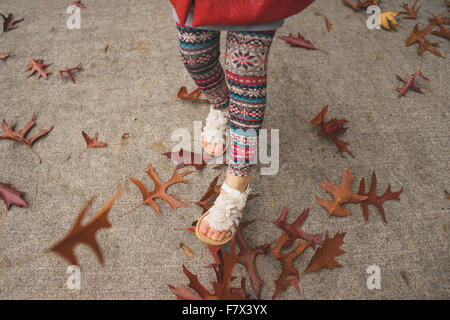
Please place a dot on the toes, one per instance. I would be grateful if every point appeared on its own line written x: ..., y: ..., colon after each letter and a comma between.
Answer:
x: 210, y: 233
x: 222, y: 236
x: 204, y: 227
x: 218, y: 148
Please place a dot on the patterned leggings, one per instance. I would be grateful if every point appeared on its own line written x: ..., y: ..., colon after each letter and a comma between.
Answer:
x: 244, y: 92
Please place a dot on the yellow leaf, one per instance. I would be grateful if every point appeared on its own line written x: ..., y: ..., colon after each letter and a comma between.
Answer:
x: 387, y: 20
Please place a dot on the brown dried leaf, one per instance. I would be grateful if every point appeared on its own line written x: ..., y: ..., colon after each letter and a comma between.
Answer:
x: 419, y: 36
x: 188, y: 252
x: 9, y: 22
x: 341, y: 193
x: 160, y: 189
x: 193, y: 96
x: 10, y: 134
x: 38, y: 66
x: 4, y: 56
x: 85, y: 233
x: 332, y: 129
x: 372, y: 196
x: 324, y: 257
x: 410, y: 11
x: 69, y: 71
x: 294, y: 229
x: 289, y: 274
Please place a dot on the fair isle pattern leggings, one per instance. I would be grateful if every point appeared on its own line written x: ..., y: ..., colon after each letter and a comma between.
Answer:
x: 244, y: 92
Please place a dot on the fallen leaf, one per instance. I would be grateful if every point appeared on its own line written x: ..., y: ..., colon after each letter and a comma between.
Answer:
x: 247, y: 257
x: 410, y: 11
x: 372, y: 196
x: 38, y: 66
x: 447, y: 195
x: 9, y: 22
x: 328, y: 23
x: 105, y: 49
x: 10, y: 134
x: 331, y: 129
x: 221, y: 287
x: 91, y: 143
x: 419, y: 36
x: 300, y: 41
x: 160, y: 189
x: 294, y: 229
x: 11, y: 196
x: 193, y: 96
x: 85, y: 233
x: 324, y: 257
x: 387, y: 20
x: 289, y: 274
x: 69, y: 71
x: 409, y: 83
x: 188, y: 252
x: 341, y: 193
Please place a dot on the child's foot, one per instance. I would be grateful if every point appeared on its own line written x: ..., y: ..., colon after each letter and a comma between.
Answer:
x: 214, y: 132
x: 224, y: 216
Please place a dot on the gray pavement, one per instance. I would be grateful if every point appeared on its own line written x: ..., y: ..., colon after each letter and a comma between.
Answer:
x: 132, y: 88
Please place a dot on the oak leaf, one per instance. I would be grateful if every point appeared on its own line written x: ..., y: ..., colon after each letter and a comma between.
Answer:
x: 439, y: 19
x: 328, y: 23
x: 92, y: 143
x: 294, y: 229
x: 324, y: 257
x: 373, y: 199
x: 387, y: 20
x: 331, y: 129
x: 69, y: 71
x: 222, y: 288
x: 160, y: 189
x: 85, y: 233
x: 10, y: 134
x: 409, y: 83
x: 193, y: 96
x: 9, y: 22
x: 410, y: 11
x: 289, y: 274
x: 247, y: 257
x: 299, y: 41
x: 11, y: 196
x: 419, y: 36
x: 341, y: 193
x: 38, y: 66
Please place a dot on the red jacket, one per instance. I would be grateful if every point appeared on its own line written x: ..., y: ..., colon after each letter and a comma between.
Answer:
x: 237, y: 12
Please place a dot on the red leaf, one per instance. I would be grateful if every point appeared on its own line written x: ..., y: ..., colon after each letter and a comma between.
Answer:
x: 11, y: 196
x: 85, y: 233
x: 247, y: 257
x: 300, y: 41
x: 38, y: 66
x: 68, y: 71
x: 294, y: 230
x: 10, y: 134
x: 78, y: 4
x: 289, y: 274
x: 373, y: 199
x: 332, y: 129
x: 409, y: 83
x: 419, y: 36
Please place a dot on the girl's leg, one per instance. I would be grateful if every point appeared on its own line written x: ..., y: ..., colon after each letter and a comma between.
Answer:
x: 246, y: 71
x: 200, y: 51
